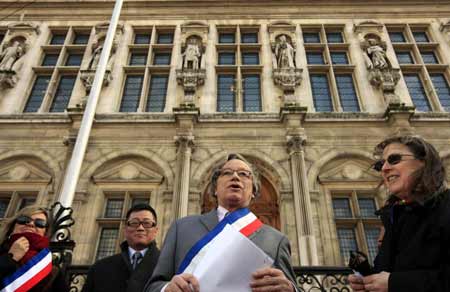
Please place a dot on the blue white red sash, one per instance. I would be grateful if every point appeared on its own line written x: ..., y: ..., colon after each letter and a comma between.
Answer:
x: 243, y: 220
x: 28, y: 275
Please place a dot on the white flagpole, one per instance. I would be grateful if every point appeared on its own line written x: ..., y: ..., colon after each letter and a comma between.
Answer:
x: 73, y: 169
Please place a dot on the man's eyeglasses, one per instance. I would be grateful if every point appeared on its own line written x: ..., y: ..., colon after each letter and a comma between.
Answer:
x: 145, y: 224
x: 38, y: 222
x: 241, y: 173
x: 392, y: 159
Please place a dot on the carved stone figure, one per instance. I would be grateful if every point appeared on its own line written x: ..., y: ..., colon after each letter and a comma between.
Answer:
x: 10, y: 55
x: 376, y: 56
x: 192, y: 55
x: 284, y: 53
x: 93, y: 63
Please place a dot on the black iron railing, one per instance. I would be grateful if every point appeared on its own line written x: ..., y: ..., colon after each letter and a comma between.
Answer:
x: 309, y: 279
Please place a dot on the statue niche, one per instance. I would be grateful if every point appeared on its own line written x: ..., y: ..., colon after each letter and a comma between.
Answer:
x: 11, y: 52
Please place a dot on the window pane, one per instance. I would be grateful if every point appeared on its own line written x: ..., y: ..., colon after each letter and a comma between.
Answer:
x: 249, y: 37
x: 252, y: 94
x: 37, y: 94
x: 339, y: 58
x: 74, y: 60
x: 397, y: 37
x: 311, y: 37
x: 162, y: 59
x: 50, y: 60
x: 314, y: 58
x: 429, y: 58
x: 142, y: 38
x: 226, y: 38
x: 1, y: 37
x: 25, y: 202
x: 334, y: 37
x: 420, y: 37
x: 156, y: 99
x: 137, y: 201
x: 225, y: 95
x: 62, y: 95
x: 321, y: 93
x: 81, y: 39
x: 404, y: 57
x: 250, y: 58
x: 138, y: 59
x: 165, y: 38
x: 131, y: 94
x: 58, y: 39
x: 341, y: 208
x: 4, y: 202
x: 107, y: 243
x: 372, y: 242
x: 114, y: 208
x: 347, y: 243
x: 417, y: 92
x: 367, y: 207
x: 347, y: 93
x: 442, y: 90
x: 226, y: 58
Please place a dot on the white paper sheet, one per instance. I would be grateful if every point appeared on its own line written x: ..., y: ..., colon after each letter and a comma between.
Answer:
x: 230, y: 270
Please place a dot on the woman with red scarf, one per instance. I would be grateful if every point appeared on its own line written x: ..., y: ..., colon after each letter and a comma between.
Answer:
x: 21, y: 238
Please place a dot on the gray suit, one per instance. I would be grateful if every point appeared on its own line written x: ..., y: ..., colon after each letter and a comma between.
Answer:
x: 185, y: 232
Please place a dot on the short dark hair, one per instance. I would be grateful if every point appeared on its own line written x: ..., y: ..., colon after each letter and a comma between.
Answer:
x: 142, y: 207
x: 430, y: 179
x: 218, y: 169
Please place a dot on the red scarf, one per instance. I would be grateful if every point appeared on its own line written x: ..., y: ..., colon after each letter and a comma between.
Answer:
x: 37, y: 243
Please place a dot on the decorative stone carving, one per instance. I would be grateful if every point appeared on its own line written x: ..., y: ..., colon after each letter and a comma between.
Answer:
x: 445, y: 28
x: 285, y: 72
x: 192, y: 71
x: 87, y: 75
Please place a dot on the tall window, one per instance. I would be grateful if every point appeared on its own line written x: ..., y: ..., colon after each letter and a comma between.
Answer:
x: 112, y: 220
x: 421, y: 61
x: 57, y: 70
x: 238, y: 70
x: 330, y: 69
x: 357, y: 226
x: 145, y: 87
x: 11, y: 202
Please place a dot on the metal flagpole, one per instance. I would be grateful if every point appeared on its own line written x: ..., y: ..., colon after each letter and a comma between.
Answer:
x: 73, y: 169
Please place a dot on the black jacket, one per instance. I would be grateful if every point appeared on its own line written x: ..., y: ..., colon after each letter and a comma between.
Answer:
x: 416, y: 246
x: 54, y: 282
x: 115, y: 273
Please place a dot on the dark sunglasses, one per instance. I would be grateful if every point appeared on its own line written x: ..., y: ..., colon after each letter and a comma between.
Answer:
x: 392, y: 159
x: 39, y: 223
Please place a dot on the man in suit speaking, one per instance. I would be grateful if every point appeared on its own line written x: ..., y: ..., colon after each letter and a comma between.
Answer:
x: 234, y: 184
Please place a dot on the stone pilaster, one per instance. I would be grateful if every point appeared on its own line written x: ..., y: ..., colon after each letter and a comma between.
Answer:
x: 181, y: 192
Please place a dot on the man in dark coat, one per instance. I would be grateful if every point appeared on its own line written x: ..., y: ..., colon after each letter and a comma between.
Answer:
x: 129, y: 270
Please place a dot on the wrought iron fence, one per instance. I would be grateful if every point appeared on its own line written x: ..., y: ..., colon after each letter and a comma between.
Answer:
x: 309, y: 279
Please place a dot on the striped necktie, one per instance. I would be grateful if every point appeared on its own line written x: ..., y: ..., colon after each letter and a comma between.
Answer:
x: 136, y: 259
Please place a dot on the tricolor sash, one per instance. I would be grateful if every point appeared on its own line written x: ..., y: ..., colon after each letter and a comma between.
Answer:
x: 28, y: 275
x: 243, y: 220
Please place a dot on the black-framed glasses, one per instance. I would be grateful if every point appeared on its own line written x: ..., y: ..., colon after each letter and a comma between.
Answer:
x: 146, y: 224
x: 392, y: 159
x: 38, y: 222
x: 240, y: 172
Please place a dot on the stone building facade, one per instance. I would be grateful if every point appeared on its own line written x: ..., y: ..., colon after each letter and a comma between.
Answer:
x: 302, y: 89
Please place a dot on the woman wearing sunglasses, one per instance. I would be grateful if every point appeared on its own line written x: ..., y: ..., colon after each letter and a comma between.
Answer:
x: 415, y: 251
x: 22, y: 237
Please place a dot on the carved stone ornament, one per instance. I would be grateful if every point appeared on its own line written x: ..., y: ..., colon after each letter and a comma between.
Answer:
x: 285, y: 72
x: 445, y: 28
x: 192, y: 73
x: 11, y: 54
x: 87, y: 75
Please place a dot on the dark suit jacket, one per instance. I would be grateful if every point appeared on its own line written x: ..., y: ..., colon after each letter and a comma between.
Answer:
x: 115, y: 273
x: 185, y: 232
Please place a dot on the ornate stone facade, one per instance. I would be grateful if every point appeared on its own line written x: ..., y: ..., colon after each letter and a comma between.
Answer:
x: 308, y: 91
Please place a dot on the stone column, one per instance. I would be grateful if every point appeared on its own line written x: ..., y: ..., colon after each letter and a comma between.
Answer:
x: 302, y: 203
x: 181, y: 190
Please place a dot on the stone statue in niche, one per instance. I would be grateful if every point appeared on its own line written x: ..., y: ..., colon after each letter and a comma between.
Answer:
x: 192, y: 55
x: 10, y: 55
x: 376, y: 55
x: 284, y: 53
